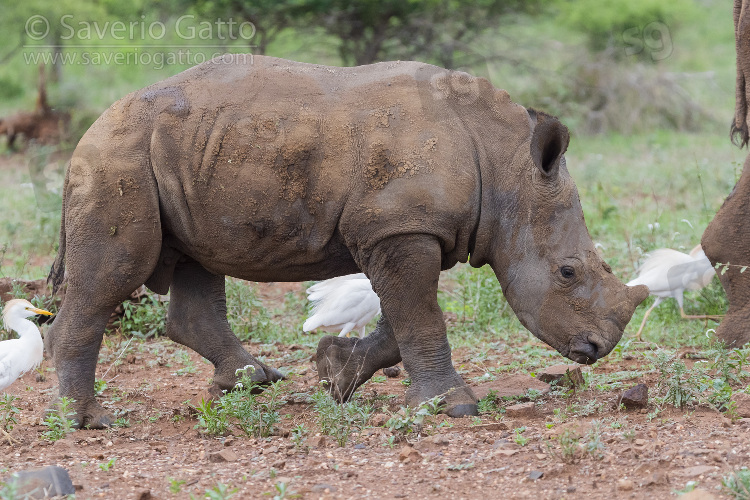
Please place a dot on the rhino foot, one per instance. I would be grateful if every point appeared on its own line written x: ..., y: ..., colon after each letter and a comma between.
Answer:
x: 457, y: 397
x: 733, y: 330
x: 225, y: 376
x: 342, y: 366
x: 88, y: 415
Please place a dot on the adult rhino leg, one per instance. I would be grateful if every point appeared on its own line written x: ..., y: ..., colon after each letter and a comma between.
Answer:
x: 346, y: 363
x: 74, y: 340
x: 727, y: 241
x: 404, y: 271
x: 198, y: 319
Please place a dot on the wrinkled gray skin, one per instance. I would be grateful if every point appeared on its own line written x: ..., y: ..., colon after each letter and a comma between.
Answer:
x: 281, y: 171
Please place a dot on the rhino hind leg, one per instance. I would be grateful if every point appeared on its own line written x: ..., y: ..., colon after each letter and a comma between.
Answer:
x: 100, y: 276
x: 346, y: 363
x: 198, y: 319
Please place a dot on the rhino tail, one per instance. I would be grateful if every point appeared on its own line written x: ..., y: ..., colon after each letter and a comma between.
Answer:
x: 56, y: 275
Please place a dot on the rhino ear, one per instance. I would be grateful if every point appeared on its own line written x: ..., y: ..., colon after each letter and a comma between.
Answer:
x: 549, y: 141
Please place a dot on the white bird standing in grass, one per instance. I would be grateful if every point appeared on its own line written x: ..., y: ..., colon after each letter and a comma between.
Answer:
x: 668, y: 273
x: 342, y: 304
x: 17, y: 356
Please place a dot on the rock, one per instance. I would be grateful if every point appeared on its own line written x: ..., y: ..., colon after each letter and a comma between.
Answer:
x: 569, y: 375
x: 144, y: 495
x: 279, y: 464
x: 698, y: 494
x: 657, y: 478
x: 52, y: 479
x: 510, y: 386
x: 316, y: 442
x: 696, y: 471
x: 635, y: 397
x: 742, y: 404
x: 535, y: 474
x: 520, y: 410
x: 130, y: 359
x: 409, y: 453
x: 506, y: 453
x: 360, y: 446
x: 225, y: 455
x: 323, y: 488
x: 625, y: 485
x: 392, y: 372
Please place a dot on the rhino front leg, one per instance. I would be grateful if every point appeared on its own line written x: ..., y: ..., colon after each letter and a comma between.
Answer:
x: 405, y: 271
x: 198, y: 320
x: 346, y: 363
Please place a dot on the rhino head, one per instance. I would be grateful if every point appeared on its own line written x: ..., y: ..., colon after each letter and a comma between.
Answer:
x: 542, y: 253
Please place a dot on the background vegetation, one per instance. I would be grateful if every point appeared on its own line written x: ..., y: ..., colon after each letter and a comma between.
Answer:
x: 646, y: 87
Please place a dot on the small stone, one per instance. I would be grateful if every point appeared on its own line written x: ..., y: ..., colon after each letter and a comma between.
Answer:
x: 144, y: 495
x: 510, y: 386
x: 635, y: 397
x: 657, y: 478
x: 225, y: 455
x: 540, y: 456
x: 625, y: 485
x: 323, y: 488
x: 570, y: 489
x: 409, y: 453
x: 280, y: 464
x: 536, y: 474
x: 742, y: 404
x: 726, y: 423
x: 507, y: 453
x: 359, y: 446
x: 640, y: 442
x: 392, y: 371
x: 698, y: 494
x: 52, y: 479
x: 569, y: 375
x: 130, y: 359
x: 696, y: 471
x: 316, y: 441
x: 65, y: 443
x: 520, y: 410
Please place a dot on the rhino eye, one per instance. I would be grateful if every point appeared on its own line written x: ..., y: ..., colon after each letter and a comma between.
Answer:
x: 567, y: 272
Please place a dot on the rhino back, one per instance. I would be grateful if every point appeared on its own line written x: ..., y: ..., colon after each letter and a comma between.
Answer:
x: 265, y: 163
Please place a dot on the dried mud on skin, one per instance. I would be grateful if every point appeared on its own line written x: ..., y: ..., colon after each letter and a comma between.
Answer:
x: 660, y: 457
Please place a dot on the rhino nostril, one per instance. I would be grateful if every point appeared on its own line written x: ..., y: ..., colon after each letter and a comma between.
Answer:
x: 585, y: 352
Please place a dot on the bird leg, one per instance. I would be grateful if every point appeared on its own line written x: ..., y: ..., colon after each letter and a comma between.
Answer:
x: 714, y: 317
x: 645, y: 317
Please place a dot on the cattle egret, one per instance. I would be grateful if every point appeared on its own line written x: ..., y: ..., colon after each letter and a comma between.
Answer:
x: 17, y: 356
x: 342, y: 304
x: 668, y: 273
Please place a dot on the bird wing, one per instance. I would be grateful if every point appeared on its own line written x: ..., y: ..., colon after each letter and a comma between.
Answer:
x: 667, y: 273
x: 342, y: 303
x: 9, y: 372
x: 325, y: 286
x: 663, y: 258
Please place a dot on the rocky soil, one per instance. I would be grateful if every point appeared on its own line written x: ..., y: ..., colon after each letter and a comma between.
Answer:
x: 540, y: 447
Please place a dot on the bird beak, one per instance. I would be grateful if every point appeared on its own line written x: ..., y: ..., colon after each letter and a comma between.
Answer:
x: 40, y: 311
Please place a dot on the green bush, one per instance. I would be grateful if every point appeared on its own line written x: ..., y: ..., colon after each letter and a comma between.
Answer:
x: 609, y: 24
